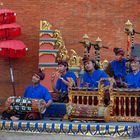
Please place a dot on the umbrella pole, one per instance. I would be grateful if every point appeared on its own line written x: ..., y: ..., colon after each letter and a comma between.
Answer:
x: 12, y: 77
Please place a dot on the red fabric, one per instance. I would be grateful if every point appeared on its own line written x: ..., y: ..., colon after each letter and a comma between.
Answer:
x: 12, y: 48
x: 7, y: 16
x: 8, y: 31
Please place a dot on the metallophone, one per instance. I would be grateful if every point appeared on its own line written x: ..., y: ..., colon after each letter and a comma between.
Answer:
x: 88, y: 104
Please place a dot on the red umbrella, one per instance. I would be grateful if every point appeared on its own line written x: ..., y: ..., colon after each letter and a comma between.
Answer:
x: 12, y: 49
x: 7, y: 16
x: 8, y: 31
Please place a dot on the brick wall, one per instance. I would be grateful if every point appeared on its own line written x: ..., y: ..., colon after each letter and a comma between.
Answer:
x: 103, y: 18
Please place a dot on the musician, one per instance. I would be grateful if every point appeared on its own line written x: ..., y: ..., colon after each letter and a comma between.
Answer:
x: 133, y: 78
x: 38, y: 91
x: 117, y: 68
x: 65, y: 78
x: 92, y: 74
x: 35, y: 91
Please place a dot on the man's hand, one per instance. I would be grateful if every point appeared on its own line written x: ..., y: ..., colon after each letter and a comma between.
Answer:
x: 125, y: 85
x: 56, y: 74
x: 43, y: 107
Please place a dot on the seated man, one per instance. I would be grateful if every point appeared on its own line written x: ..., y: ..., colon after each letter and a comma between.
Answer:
x: 133, y: 78
x: 35, y: 91
x: 65, y: 78
x: 92, y: 74
x: 117, y: 68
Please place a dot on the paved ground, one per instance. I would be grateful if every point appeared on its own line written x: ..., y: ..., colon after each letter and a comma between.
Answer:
x: 21, y: 136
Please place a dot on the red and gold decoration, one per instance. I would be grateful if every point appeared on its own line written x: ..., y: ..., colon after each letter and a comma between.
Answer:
x: 88, y: 104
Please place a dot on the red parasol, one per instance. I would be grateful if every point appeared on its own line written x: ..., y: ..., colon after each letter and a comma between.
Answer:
x: 12, y: 49
x: 7, y: 16
x: 8, y: 31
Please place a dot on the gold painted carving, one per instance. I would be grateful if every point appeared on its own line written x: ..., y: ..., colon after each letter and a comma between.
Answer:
x: 59, y: 44
x: 45, y: 25
x: 75, y: 60
x: 104, y: 64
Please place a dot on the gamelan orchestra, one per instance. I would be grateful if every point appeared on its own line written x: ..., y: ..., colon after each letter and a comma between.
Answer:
x: 105, y: 91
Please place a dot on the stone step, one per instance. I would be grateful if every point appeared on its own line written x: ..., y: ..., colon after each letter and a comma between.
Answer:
x: 47, y: 31
x: 47, y: 40
x: 48, y: 51
x: 51, y: 65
